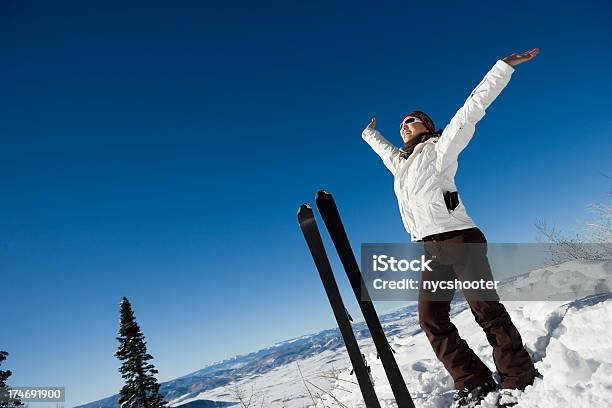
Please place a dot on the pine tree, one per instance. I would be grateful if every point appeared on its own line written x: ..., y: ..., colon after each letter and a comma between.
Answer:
x: 141, y: 389
x: 6, y: 402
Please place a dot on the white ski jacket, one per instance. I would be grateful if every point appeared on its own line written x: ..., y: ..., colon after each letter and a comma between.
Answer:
x: 423, y: 177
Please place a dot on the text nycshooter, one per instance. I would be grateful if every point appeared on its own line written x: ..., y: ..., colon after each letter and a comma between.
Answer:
x: 434, y: 286
x: 456, y: 284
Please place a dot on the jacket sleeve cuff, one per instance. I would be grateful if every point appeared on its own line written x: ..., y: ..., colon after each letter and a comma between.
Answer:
x: 367, y: 133
x: 504, y: 67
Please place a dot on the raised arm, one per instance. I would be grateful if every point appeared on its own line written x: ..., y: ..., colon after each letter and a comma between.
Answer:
x: 460, y: 129
x: 387, y: 152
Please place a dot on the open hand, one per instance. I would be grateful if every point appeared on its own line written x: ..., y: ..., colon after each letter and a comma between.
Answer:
x: 372, y: 124
x: 515, y: 59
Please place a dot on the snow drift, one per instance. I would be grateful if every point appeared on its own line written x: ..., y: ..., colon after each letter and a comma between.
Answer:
x: 570, y: 342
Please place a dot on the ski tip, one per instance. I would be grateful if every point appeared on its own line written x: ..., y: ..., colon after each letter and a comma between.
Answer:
x: 322, y: 194
x: 304, y: 213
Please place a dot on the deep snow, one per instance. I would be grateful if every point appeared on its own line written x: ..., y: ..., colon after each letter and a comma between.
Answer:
x: 570, y: 342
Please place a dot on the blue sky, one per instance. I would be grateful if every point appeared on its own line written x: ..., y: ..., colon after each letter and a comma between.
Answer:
x: 160, y: 151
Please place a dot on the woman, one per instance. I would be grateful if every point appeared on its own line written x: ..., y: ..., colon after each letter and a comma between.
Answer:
x: 433, y: 213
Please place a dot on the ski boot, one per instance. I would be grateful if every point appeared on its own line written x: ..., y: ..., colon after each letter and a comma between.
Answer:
x: 471, y: 398
x: 509, y: 397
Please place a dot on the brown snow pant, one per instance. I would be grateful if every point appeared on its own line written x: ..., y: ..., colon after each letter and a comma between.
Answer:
x: 452, y: 259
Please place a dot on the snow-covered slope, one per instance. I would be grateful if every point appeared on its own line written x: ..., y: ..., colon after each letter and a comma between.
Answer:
x: 570, y: 341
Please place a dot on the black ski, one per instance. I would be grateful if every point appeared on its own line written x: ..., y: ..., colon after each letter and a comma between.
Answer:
x: 331, y: 217
x: 311, y: 233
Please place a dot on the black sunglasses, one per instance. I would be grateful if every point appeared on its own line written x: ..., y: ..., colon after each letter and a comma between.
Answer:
x: 410, y: 120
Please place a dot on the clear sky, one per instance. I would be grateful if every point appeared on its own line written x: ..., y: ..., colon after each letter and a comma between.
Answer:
x: 160, y: 150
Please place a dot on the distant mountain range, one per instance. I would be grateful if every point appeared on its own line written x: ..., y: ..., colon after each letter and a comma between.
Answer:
x: 258, y: 363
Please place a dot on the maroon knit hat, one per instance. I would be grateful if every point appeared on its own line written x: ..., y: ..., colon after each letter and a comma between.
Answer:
x: 427, y: 122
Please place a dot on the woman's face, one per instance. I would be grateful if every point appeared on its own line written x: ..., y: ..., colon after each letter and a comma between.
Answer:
x: 411, y: 130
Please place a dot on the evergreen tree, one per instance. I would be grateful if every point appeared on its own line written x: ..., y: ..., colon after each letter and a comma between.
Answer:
x: 141, y: 389
x: 6, y: 402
